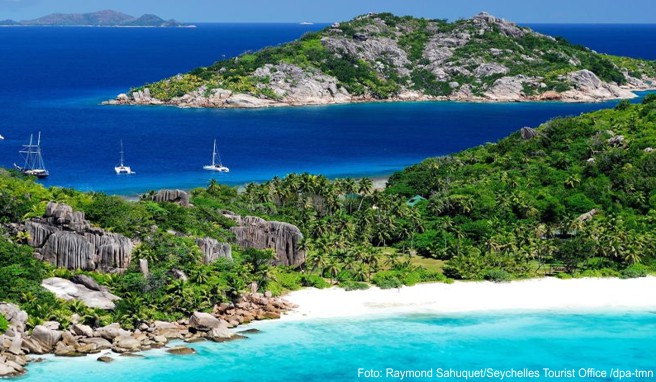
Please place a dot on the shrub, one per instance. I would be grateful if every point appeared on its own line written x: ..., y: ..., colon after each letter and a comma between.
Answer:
x: 314, y: 281
x: 649, y: 98
x: 387, y: 280
x: 498, y: 275
x: 635, y: 271
x: 354, y: 285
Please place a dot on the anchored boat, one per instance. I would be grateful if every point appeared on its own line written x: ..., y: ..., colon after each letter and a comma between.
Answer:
x: 122, y: 168
x: 216, y: 162
x: 33, y: 160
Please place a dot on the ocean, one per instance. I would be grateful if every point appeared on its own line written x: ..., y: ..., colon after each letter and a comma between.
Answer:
x: 587, y: 344
x: 53, y: 80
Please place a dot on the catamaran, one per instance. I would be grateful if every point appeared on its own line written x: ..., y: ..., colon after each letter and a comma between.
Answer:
x: 33, y: 160
x: 216, y: 162
x: 122, y: 168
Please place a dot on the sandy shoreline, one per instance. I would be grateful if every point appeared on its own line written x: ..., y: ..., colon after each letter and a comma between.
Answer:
x: 528, y: 295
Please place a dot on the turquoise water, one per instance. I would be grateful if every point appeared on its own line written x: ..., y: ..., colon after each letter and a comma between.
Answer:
x: 334, y: 350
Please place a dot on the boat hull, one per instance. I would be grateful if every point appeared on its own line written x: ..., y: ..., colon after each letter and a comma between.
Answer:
x: 39, y: 173
x: 123, y: 170
x: 216, y: 168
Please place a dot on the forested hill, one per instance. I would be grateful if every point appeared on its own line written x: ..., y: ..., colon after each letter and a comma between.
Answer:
x: 386, y: 57
x: 576, y: 193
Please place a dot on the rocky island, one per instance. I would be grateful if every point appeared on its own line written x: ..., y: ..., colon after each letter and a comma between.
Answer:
x: 105, y: 18
x: 382, y: 57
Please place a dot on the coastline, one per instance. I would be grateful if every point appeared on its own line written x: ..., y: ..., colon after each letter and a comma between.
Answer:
x: 544, y: 294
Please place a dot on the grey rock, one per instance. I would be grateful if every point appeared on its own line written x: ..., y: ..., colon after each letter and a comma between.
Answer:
x: 172, y: 196
x: 66, y: 240
x: 67, y: 290
x: 124, y: 344
x: 213, y: 250
x: 284, y: 238
x: 100, y: 343
x: 528, y: 133
x: 181, y: 350
x: 16, y: 317
x: 87, y: 282
x: 489, y: 69
x: 204, y: 321
x: 180, y: 275
x: 82, y: 330
x: 46, y: 338
x: 111, y: 331
x: 143, y: 266
x: 105, y: 359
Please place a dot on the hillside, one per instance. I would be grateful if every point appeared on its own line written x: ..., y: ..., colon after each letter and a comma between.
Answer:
x: 385, y: 57
x: 574, y: 195
x: 105, y: 18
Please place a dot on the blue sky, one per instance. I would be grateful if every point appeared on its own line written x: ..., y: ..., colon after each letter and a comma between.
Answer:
x: 525, y: 11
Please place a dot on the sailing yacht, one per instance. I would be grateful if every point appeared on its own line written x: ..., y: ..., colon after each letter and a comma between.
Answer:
x: 216, y: 162
x: 122, y: 168
x: 33, y: 160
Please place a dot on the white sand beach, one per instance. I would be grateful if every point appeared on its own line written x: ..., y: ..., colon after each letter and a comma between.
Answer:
x: 528, y: 295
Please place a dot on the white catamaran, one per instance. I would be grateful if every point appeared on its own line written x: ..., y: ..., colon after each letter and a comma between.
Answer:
x: 216, y: 162
x: 122, y: 168
x: 33, y: 160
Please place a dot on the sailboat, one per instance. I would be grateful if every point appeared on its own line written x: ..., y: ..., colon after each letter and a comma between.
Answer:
x: 122, y: 168
x: 33, y: 160
x: 216, y: 162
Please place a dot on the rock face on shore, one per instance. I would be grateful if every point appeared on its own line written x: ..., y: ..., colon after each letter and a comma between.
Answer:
x: 382, y: 57
x: 66, y: 240
x: 79, y: 339
x: 284, y: 238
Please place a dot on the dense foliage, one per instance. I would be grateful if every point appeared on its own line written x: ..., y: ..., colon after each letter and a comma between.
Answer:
x: 530, y: 54
x: 518, y: 206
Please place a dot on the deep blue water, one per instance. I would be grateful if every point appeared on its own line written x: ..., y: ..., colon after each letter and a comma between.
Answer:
x: 52, y: 80
x: 335, y: 350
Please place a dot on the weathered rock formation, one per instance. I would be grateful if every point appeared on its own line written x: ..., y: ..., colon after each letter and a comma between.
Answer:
x: 212, y: 249
x: 68, y: 290
x: 172, y: 196
x: 16, y: 317
x: 66, y: 240
x: 284, y: 238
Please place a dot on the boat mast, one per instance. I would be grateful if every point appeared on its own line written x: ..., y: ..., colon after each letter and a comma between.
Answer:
x: 121, y: 165
x: 214, y: 154
x: 39, y: 158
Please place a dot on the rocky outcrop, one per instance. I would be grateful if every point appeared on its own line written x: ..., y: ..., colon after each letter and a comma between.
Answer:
x: 213, y: 250
x: 589, y: 88
x: 171, y: 196
x: 16, y: 317
x: 284, y: 238
x: 68, y: 290
x: 295, y: 85
x: 508, y: 89
x: 528, y: 133
x: 66, y: 240
x: 205, y: 322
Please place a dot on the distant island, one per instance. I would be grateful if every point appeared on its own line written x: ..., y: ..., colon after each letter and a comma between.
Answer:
x: 106, y: 18
x: 383, y: 57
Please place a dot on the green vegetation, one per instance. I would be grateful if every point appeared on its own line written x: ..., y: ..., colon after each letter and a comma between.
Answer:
x: 4, y: 325
x: 515, y: 208
x: 339, y: 51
